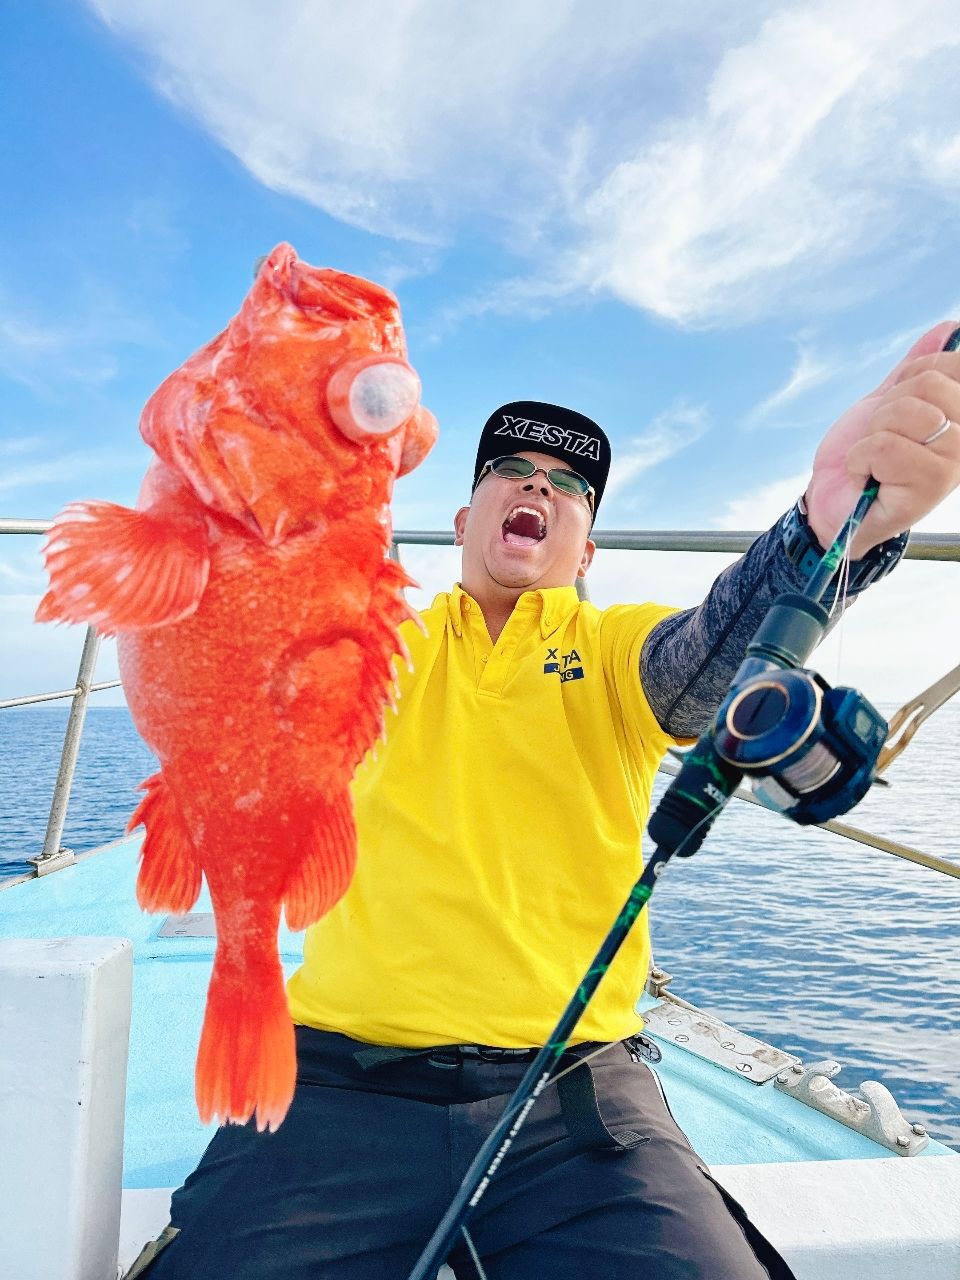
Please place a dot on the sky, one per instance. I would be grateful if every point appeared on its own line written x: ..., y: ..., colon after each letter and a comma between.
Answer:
x: 709, y: 227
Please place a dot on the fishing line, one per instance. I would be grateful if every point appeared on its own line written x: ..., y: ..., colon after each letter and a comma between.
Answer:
x: 473, y: 1253
x: 840, y: 598
x: 588, y: 1057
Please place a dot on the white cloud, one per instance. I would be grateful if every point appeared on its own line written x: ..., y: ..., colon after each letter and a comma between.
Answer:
x: 66, y: 468
x: 30, y: 576
x: 853, y: 369
x: 40, y: 355
x: 677, y: 427
x: 394, y: 118
x: 51, y: 355
x: 16, y: 445
x: 809, y: 371
x: 759, y: 507
x: 793, y: 163
x: 700, y: 162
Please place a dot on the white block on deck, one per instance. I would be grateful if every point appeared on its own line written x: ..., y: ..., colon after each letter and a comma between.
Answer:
x: 64, y: 1030
x: 143, y: 1215
x: 856, y: 1219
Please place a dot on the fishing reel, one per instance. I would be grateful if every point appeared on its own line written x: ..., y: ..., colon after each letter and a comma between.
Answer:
x: 809, y: 750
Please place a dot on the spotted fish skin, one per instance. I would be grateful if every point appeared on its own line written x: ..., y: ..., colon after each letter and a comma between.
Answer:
x: 256, y: 609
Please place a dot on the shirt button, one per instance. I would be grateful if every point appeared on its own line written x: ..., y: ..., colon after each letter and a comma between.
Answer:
x: 466, y: 606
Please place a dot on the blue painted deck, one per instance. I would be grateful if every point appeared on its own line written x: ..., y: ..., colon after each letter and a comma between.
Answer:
x: 728, y: 1119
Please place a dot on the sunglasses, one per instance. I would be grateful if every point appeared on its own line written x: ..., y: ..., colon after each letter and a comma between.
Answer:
x: 563, y: 480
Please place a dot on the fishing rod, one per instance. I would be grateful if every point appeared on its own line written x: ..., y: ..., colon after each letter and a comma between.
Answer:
x: 810, y: 751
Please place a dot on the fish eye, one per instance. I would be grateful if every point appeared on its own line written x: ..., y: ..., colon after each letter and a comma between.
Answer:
x: 372, y: 397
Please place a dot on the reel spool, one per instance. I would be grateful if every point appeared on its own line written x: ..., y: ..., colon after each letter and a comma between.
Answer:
x: 809, y: 750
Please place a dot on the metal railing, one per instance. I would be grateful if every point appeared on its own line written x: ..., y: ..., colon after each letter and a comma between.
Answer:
x: 922, y: 546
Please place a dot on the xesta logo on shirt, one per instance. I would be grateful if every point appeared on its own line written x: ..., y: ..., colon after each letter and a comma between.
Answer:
x: 543, y: 433
x: 562, y: 664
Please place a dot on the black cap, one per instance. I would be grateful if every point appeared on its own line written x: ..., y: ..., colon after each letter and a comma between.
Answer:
x: 528, y: 426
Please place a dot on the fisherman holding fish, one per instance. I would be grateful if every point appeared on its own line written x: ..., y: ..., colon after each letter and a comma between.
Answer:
x: 499, y: 828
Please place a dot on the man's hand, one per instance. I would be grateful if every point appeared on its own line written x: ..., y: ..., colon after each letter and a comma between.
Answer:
x: 882, y: 436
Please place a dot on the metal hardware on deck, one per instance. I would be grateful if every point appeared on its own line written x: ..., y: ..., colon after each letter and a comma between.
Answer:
x: 195, y: 924
x: 875, y: 1113
x: 706, y: 1036
x: 657, y: 982
x: 47, y: 862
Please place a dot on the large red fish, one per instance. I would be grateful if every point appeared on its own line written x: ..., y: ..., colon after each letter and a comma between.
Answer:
x: 256, y: 609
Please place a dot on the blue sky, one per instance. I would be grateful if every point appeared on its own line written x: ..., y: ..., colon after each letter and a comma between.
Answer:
x: 710, y: 232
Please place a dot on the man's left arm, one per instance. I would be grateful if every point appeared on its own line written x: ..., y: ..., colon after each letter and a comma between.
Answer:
x: 896, y: 434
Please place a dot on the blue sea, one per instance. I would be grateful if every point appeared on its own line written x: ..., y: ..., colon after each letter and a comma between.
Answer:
x: 823, y: 947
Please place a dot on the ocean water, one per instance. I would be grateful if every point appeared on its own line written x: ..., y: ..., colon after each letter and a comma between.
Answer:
x: 823, y: 947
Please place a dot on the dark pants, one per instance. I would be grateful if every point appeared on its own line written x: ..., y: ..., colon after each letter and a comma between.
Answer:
x: 353, y: 1183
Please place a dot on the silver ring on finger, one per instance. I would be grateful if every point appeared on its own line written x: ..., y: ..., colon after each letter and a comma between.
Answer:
x: 942, y: 430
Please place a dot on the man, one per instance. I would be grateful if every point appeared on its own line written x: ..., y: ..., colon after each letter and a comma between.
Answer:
x: 499, y: 830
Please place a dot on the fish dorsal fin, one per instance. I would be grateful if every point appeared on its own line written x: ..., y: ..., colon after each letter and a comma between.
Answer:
x: 123, y: 570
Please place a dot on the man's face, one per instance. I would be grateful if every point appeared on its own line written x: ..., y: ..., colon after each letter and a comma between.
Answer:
x: 524, y: 533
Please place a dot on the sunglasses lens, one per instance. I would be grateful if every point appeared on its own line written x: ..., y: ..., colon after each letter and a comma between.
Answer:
x: 568, y: 482
x: 513, y: 468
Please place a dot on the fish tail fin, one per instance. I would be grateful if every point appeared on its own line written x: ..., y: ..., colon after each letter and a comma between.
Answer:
x: 123, y: 570
x: 247, y: 1063
x: 170, y: 874
x: 324, y: 869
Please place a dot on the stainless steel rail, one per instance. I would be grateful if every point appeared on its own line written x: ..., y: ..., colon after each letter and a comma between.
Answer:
x: 922, y: 546
x: 53, y: 856
x: 58, y: 693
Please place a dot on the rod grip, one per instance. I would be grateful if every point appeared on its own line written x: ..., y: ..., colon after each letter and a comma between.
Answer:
x: 692, y: 802
x: 790, y: 631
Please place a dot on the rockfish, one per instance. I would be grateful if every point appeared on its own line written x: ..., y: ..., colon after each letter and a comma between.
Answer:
x: 256, y: 611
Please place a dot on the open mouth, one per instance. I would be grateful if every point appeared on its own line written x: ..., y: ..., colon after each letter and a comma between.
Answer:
x: 523, y: 527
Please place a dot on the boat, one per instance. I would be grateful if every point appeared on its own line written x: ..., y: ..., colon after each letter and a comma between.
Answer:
x: 100, y: 1012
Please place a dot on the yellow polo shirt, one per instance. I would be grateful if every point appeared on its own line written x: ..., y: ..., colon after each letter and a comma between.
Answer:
x: 499, y: 833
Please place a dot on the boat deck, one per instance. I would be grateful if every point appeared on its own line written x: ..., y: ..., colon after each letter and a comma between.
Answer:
x: 729, y: 1119
x: 771, y: 1149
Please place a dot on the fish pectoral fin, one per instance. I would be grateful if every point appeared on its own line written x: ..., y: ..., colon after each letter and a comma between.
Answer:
x: 170, y: 875
x: 123, y: 570
x: 324, y: 868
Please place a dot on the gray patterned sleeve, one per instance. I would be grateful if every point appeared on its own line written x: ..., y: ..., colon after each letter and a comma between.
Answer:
x: 689, y: 658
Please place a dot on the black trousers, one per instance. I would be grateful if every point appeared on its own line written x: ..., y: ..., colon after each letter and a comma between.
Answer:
x: 353, y: 1183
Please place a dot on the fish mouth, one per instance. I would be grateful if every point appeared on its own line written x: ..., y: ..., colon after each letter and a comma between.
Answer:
x: 524, y: 527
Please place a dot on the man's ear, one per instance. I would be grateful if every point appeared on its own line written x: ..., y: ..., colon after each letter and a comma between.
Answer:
x: 587, y: 558
x: 459, y: 524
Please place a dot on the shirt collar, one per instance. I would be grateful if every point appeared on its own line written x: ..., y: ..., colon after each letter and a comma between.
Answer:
x: 553, y: 604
